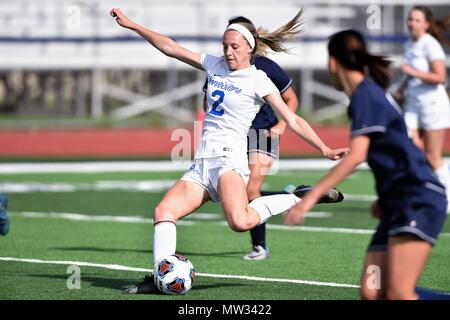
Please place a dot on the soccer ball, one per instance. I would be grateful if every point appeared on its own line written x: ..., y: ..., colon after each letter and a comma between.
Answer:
x: 174, y: 275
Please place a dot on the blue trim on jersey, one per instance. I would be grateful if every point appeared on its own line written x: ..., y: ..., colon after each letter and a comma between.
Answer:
x: 415, y: 231
x: 372, y: 129
x: 436, y: 188
x: 287, y: 86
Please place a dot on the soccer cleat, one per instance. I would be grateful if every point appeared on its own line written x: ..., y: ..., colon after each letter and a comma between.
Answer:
x: 333, y: 195
x: 258, y: 253
x: 4, y: 219
x: 145, y: 287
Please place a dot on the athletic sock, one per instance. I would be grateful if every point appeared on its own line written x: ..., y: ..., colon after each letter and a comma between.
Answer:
x: 164, y: 240
x: 258, y: 234
x: 272, y: 205
x: 426, y: 294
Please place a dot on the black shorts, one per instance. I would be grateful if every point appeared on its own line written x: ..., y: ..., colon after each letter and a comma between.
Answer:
x: 258, y: 141
x: 420, y: 210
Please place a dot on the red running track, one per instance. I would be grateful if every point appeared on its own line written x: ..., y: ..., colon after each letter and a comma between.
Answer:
x: 136, y: 142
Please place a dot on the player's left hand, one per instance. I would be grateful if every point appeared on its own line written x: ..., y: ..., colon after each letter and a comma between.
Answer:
x: 336, y: 154
x: 297, y: 214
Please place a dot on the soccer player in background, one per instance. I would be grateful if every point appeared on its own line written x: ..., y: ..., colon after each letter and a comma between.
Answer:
x: 4, y: 219
x: 236, y: 91
x: 411, y: 205
x: 427, y: 113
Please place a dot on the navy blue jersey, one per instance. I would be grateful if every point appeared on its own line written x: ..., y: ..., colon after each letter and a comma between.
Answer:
x: 266, y: 118
x: 394, y: 159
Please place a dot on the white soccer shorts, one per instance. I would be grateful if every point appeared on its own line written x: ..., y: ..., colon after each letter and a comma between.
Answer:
x: 430, y: 115
x: 206, y: 172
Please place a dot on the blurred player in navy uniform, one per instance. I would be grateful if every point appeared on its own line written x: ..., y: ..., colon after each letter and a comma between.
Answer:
x: 263, y: 141
x: 4, y: 220
x: 411, y: 203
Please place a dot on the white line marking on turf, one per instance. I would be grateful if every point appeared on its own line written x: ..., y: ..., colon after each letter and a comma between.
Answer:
x: 145, y: 166
x: 85, y: 217
x: 185, y: 222
x: 122, y: 185
x: 220, y: 276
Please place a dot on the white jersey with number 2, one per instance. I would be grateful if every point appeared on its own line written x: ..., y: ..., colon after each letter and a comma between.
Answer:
x: 234, y: 98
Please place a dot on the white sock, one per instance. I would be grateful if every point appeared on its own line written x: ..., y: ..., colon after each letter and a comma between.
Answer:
x: 443, y: 175
x: 164, y: 240
x: 268, y: 206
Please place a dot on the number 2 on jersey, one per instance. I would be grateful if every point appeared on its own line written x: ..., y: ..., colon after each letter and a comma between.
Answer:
x: 216, y: 108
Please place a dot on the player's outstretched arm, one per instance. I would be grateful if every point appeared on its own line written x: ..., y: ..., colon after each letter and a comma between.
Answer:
x: 290, y: 98
x: 359, y: 147
x: 302, y: 128
x: 161, y: 42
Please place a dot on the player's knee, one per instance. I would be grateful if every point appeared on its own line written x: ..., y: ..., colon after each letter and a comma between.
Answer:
x: 162, y: 213
x: 239, y: 225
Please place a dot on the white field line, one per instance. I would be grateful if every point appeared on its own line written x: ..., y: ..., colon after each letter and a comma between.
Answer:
x: 125, y: 185
x: 219, y: 276
x: 144, y: 166
x: 185, y: 222
x: 132, y: 219
x: 119, y: 185
x: 93, y: 218
x: 150, y: 166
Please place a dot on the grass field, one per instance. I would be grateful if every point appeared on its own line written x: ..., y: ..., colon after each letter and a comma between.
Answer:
x: 101, y: 222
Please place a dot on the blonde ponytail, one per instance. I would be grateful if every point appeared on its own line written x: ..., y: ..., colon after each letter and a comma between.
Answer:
x: 275, y: 40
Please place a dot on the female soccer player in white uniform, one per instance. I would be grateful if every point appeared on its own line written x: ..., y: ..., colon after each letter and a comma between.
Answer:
x: 236, y: 91
x: 263, y: 140
x: 427, y: 113
x: 411, y: 202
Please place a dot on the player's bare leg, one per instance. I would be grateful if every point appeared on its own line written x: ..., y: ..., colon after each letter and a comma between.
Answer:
x: 373, y: 276
x: 406, y: 259
x: 416, y: 138
x: 233, y: 196
x: 242, y: 216
x: 183, y: 198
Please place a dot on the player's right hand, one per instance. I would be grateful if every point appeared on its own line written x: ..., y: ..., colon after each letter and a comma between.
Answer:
x: 121, y: 18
